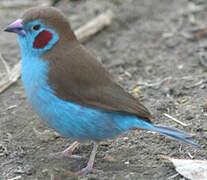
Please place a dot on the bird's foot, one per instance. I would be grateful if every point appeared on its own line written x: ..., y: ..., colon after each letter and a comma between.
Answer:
x: 61, y: 155
x: 67, y: 153
x: 88, y: 170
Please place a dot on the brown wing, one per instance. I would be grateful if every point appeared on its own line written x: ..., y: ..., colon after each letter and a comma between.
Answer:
x: 77, y: 76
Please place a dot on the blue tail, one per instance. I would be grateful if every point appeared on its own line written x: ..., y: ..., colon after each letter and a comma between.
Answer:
x: 135, y: 123
x: 174, y: 133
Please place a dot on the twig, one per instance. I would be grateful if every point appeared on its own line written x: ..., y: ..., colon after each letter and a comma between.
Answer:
x: 190, y: 155
x: 15, y: 178
x: 173, y: 176
x: 83, y: 34
x: 199, y: 33
x: 177, y: 121
x: 143, y: 85
x: 5, y: 64
x: 202, y: 61
x: 11, y: 78
x: 5, y: 5
x: 46, y: 135
x: 156, y: 84
x: 195, y: 35
x: 92, y: 27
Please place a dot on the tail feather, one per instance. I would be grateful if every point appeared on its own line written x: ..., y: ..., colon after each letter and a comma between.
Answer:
x: 174, y: 133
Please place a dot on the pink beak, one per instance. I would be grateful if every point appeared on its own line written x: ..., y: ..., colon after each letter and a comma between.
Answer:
x: 16, y: 27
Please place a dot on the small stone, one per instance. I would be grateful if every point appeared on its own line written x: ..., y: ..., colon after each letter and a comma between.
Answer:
x: 180, y: 66
x: 125, y: 138
x: 92, y: 176
x: 30, y: 171
x: 205, y: 107
x: 108, y: 43
x: 129, y: 176
x: 82, y: 178
x: 19, y: 171
x: 189, y: 117
x: 45, y: 172
x: 110, y: 158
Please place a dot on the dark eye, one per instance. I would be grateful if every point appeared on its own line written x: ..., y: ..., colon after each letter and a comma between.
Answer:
x: 36, y: 27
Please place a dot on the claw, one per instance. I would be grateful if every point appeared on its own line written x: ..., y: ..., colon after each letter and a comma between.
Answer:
x: 88, y: 170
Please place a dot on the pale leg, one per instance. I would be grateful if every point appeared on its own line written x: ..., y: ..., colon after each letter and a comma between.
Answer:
x: 89, y: 167
x: 67, y: 152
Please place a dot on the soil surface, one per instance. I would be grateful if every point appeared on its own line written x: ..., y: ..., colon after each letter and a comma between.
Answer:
x: 147, y: 48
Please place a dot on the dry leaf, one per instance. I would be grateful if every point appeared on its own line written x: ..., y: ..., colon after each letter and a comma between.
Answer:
x: 191, y: 169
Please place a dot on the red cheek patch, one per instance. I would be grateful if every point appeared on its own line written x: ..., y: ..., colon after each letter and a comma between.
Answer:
x: 42, y: 39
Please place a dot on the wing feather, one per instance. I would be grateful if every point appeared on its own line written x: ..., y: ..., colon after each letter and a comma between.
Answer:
x: 77, y: 76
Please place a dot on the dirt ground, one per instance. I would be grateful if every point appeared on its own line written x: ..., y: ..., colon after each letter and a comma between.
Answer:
x: 146, y: 47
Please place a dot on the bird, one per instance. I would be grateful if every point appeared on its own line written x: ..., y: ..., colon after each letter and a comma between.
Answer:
x: 71, y: 90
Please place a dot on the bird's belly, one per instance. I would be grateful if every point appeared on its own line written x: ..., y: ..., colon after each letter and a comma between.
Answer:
x: 75, y: 121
